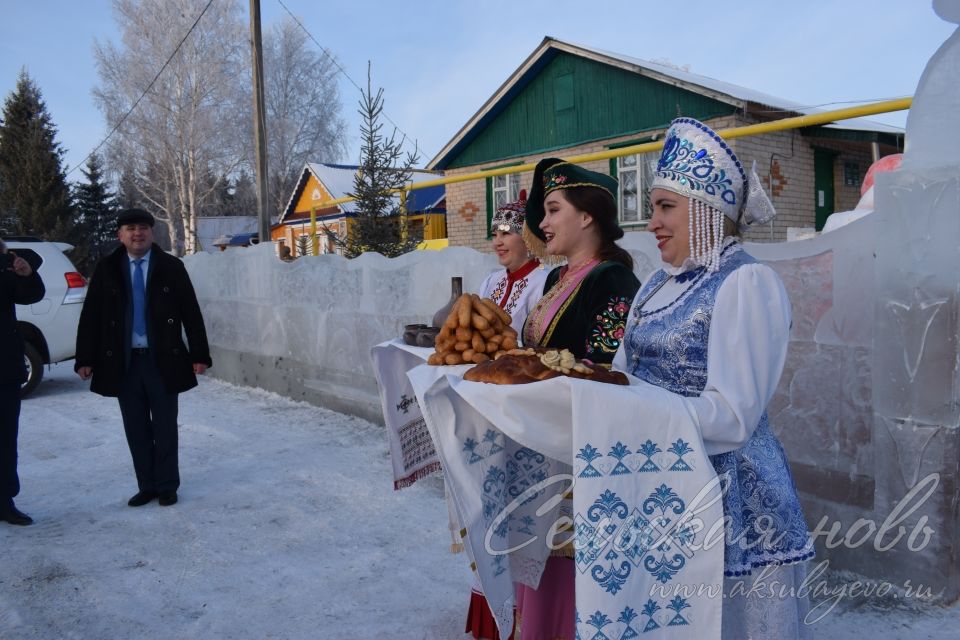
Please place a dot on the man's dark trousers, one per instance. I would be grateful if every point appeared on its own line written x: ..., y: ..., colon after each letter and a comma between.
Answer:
x: 9, y: 417
x: 150, y: 422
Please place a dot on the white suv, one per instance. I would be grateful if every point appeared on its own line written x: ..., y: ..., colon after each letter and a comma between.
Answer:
x: 48, y: 327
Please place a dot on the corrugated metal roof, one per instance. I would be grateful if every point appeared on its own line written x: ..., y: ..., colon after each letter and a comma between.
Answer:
x: 716, y: 89
x: 336, y: 178
x: 425, y: 199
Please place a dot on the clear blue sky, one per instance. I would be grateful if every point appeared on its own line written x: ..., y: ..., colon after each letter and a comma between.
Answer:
x: 438, y: 61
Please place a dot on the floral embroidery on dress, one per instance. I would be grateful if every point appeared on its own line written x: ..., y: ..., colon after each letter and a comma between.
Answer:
x: 607, y: 332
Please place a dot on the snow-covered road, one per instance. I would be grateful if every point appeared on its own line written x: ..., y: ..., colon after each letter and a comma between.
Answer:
x: 287, y: 527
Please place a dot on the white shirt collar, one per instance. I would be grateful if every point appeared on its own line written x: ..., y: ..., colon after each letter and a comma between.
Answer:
x: 687, y: 265
x: 145, y: 257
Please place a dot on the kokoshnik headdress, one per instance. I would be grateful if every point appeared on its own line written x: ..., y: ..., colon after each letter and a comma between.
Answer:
x: 698, y: 164
x: 509, y: 217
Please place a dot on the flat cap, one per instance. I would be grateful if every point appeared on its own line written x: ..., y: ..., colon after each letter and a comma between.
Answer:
x: 134, y: 216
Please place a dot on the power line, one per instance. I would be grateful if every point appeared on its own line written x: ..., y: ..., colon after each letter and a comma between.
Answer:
x: 149, y: 86
x: 329, y: 55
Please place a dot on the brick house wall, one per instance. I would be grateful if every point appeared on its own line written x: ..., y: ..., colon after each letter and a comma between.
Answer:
x: 467, y: 211
x: 784, y: 164
x: 467, y: 201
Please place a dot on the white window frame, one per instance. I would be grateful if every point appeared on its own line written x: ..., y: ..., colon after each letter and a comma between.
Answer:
x: 641, y: 167
x: 506, y: 189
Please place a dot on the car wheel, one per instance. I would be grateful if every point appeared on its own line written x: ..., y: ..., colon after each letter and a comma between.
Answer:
x: 34, y: 362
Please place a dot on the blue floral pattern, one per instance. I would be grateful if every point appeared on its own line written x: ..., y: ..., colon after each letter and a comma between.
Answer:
x: 689, y: 158
x: 625, y: 625
x: 612, y: 540
x: 621, y: 461
x: 505, y: 480
x: 667, y: 347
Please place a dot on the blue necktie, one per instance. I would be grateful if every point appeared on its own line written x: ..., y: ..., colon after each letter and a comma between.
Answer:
x: 139, y: 300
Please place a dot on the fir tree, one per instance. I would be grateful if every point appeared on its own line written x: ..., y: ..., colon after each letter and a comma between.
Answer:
x: 245, y: 195
x: 96, y: 212
x: 34, y: 194
x: 378, y: 225
x: 303, y: 246
x: 128, y: 196
x: 219, y: 195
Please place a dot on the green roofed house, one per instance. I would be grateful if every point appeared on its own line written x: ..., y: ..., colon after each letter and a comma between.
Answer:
x: 568, y: 99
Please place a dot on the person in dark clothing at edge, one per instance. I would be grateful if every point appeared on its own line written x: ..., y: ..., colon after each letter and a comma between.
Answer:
x: 19, y: 284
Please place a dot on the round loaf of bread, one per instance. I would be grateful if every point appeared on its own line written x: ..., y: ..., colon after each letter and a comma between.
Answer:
x: 524, y: 368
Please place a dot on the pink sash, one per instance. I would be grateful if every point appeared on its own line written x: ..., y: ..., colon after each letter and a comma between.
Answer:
x: 551, y: 305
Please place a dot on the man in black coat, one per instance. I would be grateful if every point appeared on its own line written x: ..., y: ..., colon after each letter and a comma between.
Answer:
x: 19, y: 284
x: 130, y: 341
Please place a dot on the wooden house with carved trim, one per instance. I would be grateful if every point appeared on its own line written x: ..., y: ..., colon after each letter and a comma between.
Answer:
x: 567, y: 99
x: 321, y: 182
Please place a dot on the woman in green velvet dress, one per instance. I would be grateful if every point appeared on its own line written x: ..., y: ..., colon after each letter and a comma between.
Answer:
x: 572, y: 214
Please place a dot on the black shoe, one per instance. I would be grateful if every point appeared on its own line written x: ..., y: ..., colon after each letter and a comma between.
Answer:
x: 142, y: 498
x: 168, y: 498
x: 14, y: 516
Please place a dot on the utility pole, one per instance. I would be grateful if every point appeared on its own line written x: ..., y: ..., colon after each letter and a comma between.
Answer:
x: 259, y: 122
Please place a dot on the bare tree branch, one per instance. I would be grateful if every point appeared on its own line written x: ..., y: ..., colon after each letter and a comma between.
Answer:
x: 186, y: 124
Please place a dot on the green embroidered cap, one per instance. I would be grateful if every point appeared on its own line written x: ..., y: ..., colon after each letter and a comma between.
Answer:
x: 552, y: 174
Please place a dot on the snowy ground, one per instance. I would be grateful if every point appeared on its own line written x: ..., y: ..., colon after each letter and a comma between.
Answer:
x: 287, y: 527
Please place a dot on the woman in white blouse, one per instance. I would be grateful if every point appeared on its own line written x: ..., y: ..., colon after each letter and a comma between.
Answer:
x: 516, y: 288
x: 519, y: 285
x: 713, y: 327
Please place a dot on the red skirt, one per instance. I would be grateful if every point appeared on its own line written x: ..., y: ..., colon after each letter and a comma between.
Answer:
x: 480, y: 620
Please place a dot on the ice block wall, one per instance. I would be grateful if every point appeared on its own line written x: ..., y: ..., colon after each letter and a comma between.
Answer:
x: 866, y: 408
x: 304, y: 328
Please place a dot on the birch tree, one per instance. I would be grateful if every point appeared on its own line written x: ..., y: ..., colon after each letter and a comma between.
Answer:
x: 304, y: 123
x: 194, y: 118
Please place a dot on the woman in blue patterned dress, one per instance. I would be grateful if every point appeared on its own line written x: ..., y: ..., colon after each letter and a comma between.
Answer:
x: 713, y: 326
